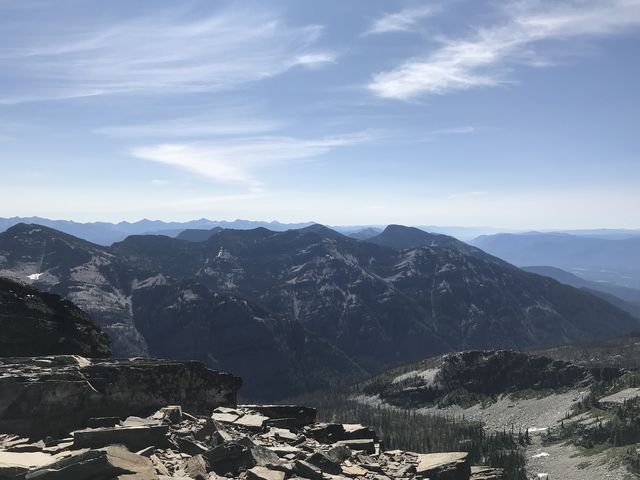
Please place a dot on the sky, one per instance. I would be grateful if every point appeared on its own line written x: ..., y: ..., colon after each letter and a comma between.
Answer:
x: 521, y: 114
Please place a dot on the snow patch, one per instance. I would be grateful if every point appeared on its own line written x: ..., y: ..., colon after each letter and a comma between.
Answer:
x: 35, y: 276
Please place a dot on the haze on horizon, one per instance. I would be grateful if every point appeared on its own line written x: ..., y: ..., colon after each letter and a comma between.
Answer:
x: 518, y: 114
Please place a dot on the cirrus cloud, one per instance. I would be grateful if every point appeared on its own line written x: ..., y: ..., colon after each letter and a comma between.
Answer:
x: 160, y: 53
x: 482, y: 59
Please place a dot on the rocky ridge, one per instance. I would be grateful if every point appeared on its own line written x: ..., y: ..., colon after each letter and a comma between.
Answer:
x: 37, y: 323
x: 255, y: 443
x: 472, y: 377
x: 211, y: 438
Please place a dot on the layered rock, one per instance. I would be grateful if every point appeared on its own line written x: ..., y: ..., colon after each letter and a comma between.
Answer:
x: 37, y: 323
x: 232, y: 442
x: 55, y: 394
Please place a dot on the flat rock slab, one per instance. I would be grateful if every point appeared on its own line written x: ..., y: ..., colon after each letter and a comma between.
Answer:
x: 263, y: 473
x: 444, y: 466
x: 364, y: 445
x: 251, y: 421
x: 225, y: 417
x: 108, y: 462
x: 135, y: 438
x: 297, y: 414
x: 14, y: 464
x: 354, y: 471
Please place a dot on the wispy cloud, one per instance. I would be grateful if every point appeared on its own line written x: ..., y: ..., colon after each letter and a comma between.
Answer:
x: 224, y: 121
x: 238, y: 160
x: 482, y: 59
x: 433, y: 135
x: 402, y: 21
x: 163, y: 53
x: 315, y: 60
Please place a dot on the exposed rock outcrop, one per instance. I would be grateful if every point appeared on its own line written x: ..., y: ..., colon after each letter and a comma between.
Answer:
x: 54, y: 394
x: 473, y: 376
x: 174, y: 444
x: 36, y: 323
x: 74, y: 411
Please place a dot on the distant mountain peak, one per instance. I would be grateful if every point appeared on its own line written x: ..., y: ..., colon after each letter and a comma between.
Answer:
x: 321, y: 230
x: 401, y: 236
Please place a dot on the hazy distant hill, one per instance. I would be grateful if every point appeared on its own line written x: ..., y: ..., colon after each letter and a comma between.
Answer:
x: 595, y: 259
x: 627, y: 299
x: 197, y: 235
x: 365, y: 233
x: 105, y: 233
x: 401, y: 237
x: 314, y: 306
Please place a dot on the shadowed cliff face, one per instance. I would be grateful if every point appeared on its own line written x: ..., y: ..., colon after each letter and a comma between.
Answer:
x: 57, y: 393
x: 36, y: 323
x: 304, y: 309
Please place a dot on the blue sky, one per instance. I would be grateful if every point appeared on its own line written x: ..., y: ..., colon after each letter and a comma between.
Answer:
x: 516, y: 114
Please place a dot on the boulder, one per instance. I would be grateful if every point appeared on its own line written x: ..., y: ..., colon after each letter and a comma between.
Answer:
x: 251, y: 421
x: 51, y: 395
x: 326, y: 432
x: 229, y: 458
x: 355, y: 431
x: 444, y: 466
x: 196, y: 468
x: 307, y: 470
x: 324, y: 463
x: 339, y: 453
x: 364, y: 445
x: 294, y: 415
x: 134, y: 438
x: 171, y: 414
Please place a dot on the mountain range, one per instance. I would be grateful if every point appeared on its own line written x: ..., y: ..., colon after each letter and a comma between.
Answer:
x: 303, y: 309
x: 106, y: 233
x: 606, y: 260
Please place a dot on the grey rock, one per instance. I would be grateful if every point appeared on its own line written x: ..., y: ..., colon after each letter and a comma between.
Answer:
x: 134, y: 438
x: 229, y: 458
x: 324, y: 463
x: 339, y: 453
x: 171, y: 414
x: 306, y: 470
x: 295, y: 415
x: 263, y: 473
x: 49, y: 395
x: 196, y: 468
x: 444, y: 466
x: 104, y: 463
x: 363, y: 445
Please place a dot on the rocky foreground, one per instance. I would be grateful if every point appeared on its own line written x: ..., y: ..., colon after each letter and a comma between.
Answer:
x: 70, y: 418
